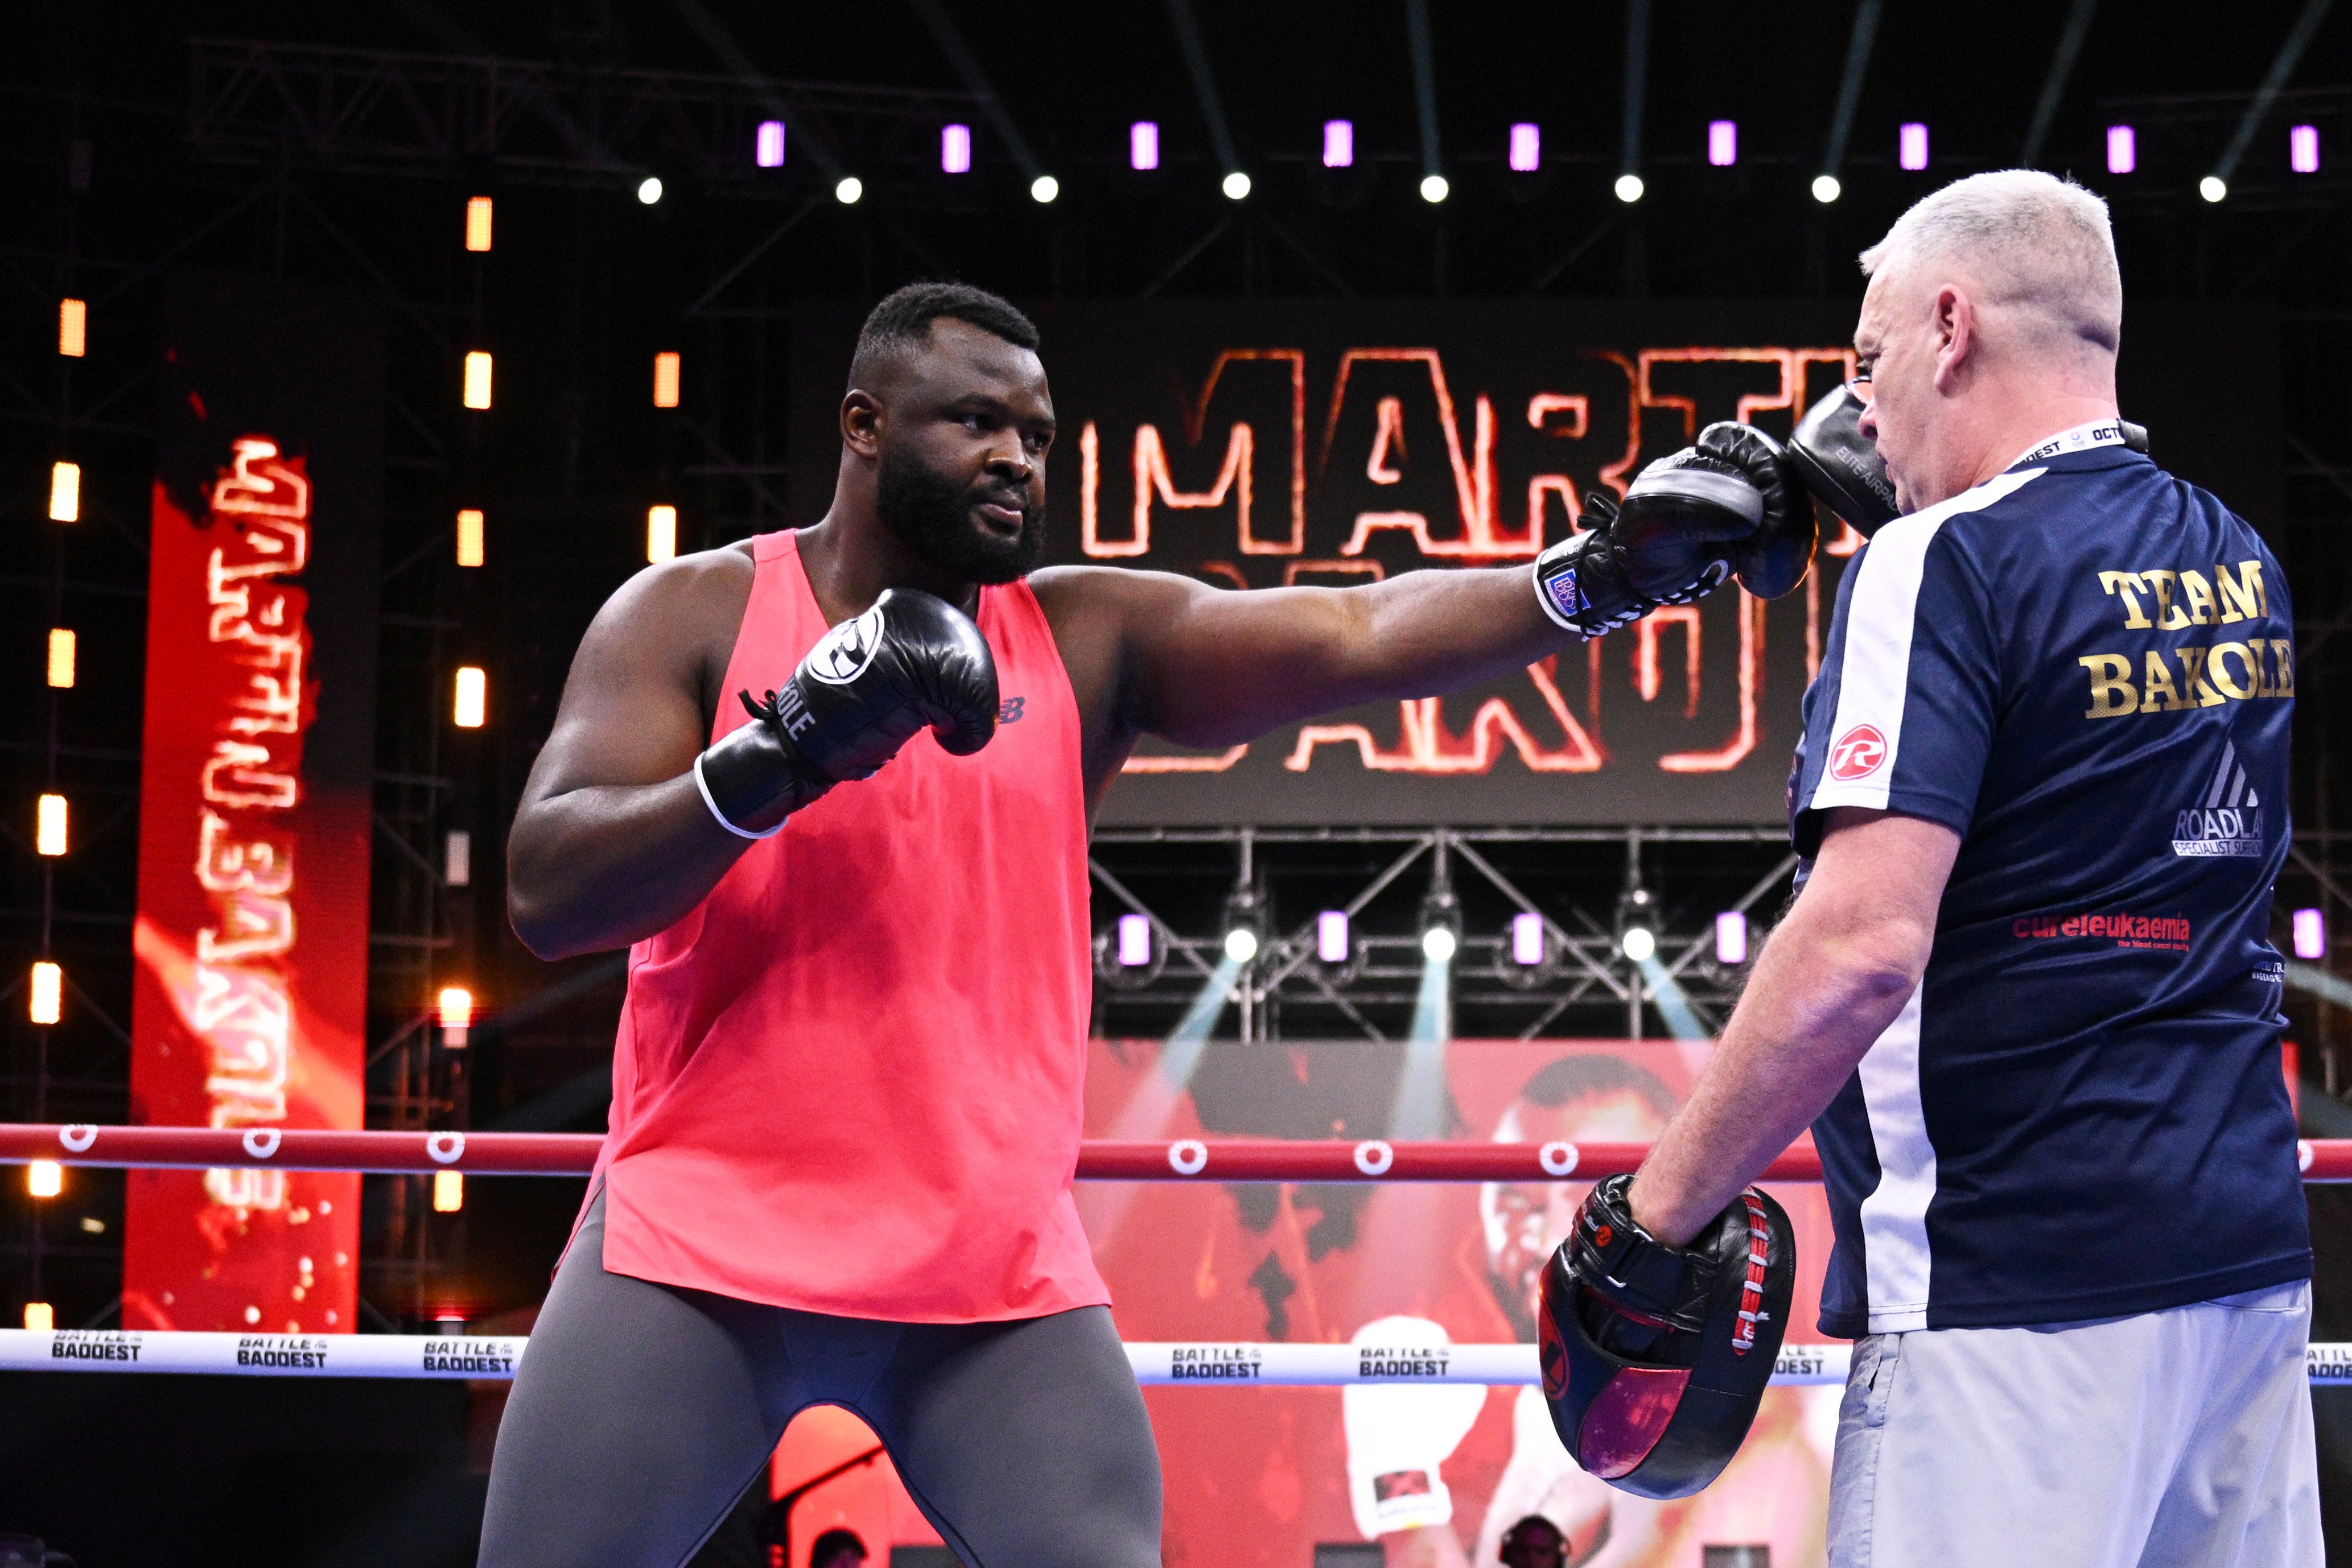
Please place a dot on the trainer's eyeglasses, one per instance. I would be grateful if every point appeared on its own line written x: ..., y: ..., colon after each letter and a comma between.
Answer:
x: 1858, y: 383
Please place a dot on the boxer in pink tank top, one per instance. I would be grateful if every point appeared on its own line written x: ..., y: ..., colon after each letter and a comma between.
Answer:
x: 832, y: 789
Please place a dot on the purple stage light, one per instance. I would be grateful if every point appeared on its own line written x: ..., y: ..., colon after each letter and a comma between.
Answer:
x: 1731, y: 938
x: 1331, y: 936
x: 2123, y: 154
x: 2303, y: 149
x: 1526, y: 148
x: 955, y: 149
x: 768, y: 147
x: 1339, y: 143
x: 1143, y: 144
x: 1911, y: 145
x: 2310, y: 934
x: 1722, y: 142
x: 1528, y: 939
x: 1134, y: 940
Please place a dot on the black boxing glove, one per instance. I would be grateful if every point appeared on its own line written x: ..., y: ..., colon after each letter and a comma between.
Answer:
x: 911, y: 661
x: 1775, y: 558
x: 1668, y: 543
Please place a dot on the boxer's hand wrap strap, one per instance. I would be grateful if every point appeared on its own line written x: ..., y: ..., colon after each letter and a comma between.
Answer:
x: 703, y: 787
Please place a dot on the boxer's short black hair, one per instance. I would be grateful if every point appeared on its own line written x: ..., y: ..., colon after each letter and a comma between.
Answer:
x: 904, y: 320
x: 1596, y: 1072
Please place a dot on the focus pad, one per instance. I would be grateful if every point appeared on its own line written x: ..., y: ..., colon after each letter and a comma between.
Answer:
x: 1840, y: 465
x: 1774, y: 560
x: 1663, y: 1422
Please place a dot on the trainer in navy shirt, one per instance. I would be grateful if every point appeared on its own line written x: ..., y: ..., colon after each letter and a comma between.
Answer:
x: 2084, y: 667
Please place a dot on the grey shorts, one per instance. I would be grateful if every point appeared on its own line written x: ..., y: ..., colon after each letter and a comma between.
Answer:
x: 2180, y: 1438
x: 641, y: 1413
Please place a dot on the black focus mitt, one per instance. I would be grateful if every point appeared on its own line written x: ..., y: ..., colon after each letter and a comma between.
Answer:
x: 1655, y: 1357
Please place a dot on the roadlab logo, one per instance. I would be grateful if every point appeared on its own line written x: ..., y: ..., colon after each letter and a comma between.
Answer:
x: 2227, y: 823
x: 1859, y: 753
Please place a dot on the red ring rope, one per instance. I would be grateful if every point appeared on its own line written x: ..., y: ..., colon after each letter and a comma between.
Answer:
x: 574, y: 1153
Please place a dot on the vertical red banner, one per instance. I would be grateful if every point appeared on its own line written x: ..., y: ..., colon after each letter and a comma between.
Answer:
x: 249, y: 1009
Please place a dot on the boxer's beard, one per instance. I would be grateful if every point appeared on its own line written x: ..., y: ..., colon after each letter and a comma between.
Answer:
x: 934, y: 517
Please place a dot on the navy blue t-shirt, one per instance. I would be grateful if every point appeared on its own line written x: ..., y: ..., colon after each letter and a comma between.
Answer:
x: 2085, y: 668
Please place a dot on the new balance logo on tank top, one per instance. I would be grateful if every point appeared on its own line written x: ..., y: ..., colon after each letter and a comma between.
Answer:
x: 2085, y: 668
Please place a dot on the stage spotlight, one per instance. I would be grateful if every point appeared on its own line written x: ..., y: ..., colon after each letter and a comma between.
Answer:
x: 1826, y: 189
x: 1245, y: 924
x: 469, y: 536
x: 768, y: 144
x: 649, y: 189
x: 65, y: 493
x: 2123, y: 153
x: 471, y: 701
x: 1134, y: 941
x: 1433, y: 189
x: 1241, y: 943
x: 1629, y: 188
x: 1339, y: 144
x: 2310, y: 934
x: 45, y: 995
x: 1441, y: 920
x: 1723, y: 142
x: 2213, y: 188
x: 73, y: 315
x: 1526, y: 148
x: 2301, y: 149
x: 1331, y: 944
x: 1439, y: 944
x: 1526, y: 938
x: 61, y: 657
x: 955, y: 149
x: 44, y: 1178
x: 661, y: 534
x: 1638, y: 943
x: 1044, y: 189
x: 1637, y: 923
x: 1731, y: 938
x: 476, y: 394
x: 1911, y: 145
x: 849, y: 191
x: 1236, y: 187
x: 478, y: 223
x: 1143, y: 145
x: 49, y: 826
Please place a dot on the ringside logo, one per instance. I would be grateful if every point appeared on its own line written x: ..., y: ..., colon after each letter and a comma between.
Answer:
x: 1859, y: 752
x: 842, y: 654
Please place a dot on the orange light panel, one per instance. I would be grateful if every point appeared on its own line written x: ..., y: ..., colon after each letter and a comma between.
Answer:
x: 73, y: 328
x: 47, y: 993
x: 661, y: 533
x: 61, y: 656
x: 470, y: 537
x: 49, y: 826
x: 478, y: 224
x: 65, y: 493
x: 478, y: 378
x: 40, y: 1317
x: 44, y: 1178
x: 449, y: 1191
x: 473, y: 696
x: 665, y: 380
x: 457, y: 1005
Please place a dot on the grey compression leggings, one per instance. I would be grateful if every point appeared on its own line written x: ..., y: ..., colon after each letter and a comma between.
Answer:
x: 642, y: 1411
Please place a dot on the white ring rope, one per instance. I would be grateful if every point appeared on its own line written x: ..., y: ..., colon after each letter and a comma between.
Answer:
x: 1156, y: 1363
x: 262, y: 1142
x: 1557, y: 1159
x: 1374, y: 1156
x: 78, y: 1139
x: 1188, y: 1156
x: 445, y: 1148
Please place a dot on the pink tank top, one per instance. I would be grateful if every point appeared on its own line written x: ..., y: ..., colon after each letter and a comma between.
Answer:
x: 851, y: 1080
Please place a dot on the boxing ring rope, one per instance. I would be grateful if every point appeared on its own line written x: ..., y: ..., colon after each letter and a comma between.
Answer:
x: 1157, y: 1364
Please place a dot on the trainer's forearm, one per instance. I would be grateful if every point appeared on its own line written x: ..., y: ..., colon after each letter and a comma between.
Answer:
x: 606, y: 865
x: 1819, y: 997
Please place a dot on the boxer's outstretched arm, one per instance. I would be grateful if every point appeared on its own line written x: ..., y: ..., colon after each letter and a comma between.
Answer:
x: 612, y: 842
x: 1836, y: 974
x: 1208, y: 666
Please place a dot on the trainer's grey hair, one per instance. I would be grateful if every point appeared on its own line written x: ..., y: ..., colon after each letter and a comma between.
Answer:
x: 2035, y: 243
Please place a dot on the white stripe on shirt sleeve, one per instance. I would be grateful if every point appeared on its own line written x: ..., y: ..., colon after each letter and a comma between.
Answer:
x: 1875, y: 674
